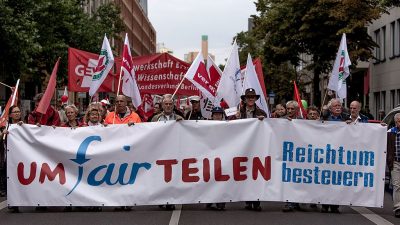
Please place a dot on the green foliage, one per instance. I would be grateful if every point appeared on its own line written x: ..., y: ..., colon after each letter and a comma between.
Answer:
x: 287, y: 29
x: 34, y: 33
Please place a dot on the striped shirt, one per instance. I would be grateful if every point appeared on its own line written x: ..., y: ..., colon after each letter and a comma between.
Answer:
x: 396, y: 131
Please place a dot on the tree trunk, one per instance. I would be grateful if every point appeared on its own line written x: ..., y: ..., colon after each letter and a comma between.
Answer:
x: 316, y: 81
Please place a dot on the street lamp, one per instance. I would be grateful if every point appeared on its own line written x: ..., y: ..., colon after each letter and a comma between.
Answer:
x: 271, y: 96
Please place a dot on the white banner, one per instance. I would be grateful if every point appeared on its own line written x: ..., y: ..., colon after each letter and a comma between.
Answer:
x: 197, y: 162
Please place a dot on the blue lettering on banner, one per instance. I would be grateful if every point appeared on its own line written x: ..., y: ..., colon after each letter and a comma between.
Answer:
x: 326, y: 156
x: 95, y: 178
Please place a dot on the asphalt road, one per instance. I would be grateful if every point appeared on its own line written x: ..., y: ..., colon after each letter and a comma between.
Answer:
x: 197, y: 214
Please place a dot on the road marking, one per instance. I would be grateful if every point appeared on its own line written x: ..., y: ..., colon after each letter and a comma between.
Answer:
x: 375, y: 218
x: 176, y: 214
x: 3, y: 204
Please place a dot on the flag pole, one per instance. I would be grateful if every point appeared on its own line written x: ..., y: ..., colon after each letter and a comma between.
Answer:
x: 177, y: 88
x: 55, y: 98
x: 14, y: 96
x: 323, y: 102
x: 5, y: 85
x: 119, y: 79
x: 120, y: 71
x: 119, y: 83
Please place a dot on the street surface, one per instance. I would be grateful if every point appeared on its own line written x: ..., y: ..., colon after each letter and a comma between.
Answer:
x: 197, y: 214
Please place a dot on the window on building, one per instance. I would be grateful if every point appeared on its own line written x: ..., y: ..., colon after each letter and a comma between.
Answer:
x: 398, y: 97
x: 392, y: 39
x: 383, y: 46
x: 392, y: 99
x: 377, y: 49
x: 377, y: 101
x: 383, y: 100
x: 398, y: 38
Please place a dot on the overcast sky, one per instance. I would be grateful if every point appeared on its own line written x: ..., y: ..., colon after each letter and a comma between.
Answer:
x: 181, y: 23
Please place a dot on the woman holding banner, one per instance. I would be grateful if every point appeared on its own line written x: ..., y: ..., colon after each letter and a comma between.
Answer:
x: 14, y: 117
x: 72, y: 112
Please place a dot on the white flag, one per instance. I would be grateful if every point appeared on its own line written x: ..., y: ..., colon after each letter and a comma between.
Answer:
x: 14, y: 96
x: 198, y: 75
x: 230, y: 85
x: 206, y: 106
x: 65, y: 91
x: 251, y: 81
x: 340, y: 71
x: 129, y: 85
x: 104, y: 65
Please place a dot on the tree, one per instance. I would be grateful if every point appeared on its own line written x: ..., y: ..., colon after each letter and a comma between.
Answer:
x: 18, y: 33
x: 288, y: 29
x: 35, y: 33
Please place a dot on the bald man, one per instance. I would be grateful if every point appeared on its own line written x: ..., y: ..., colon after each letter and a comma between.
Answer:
x: 123, y: 114
x: 355, y: 116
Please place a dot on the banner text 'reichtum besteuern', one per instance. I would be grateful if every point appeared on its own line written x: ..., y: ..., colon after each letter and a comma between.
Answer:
x: 323, y: 157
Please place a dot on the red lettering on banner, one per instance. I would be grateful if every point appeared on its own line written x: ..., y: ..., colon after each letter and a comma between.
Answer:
x: 51, y: 175
x: 237, y: 168
x: 238, y: 164
x: 206, y: 170
x: 187, y: 171
x: 167, y: 168
x: 218, y: 171
x: 155, y: 74
x: 20, y: 173
x: 45, y: 171
x: 265, y: 169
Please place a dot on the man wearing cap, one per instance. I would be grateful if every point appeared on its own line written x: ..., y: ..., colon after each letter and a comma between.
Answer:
x: 106, y: 106
x: 217, y: 114
x: 249, y: 109
x: 123, y: 114
x: 195, y: 113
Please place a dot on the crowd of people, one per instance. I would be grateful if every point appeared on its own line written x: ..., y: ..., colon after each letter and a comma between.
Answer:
x: 103, y: 114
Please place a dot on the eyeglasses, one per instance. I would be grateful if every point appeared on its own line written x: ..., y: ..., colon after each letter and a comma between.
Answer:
x: 16, y: 112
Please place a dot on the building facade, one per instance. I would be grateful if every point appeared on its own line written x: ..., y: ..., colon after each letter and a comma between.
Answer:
x: 384, y: 83
x: 141, y: 33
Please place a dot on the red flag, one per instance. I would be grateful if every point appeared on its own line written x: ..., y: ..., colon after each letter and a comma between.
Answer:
x: 129, y: 84
x: 260, y: 74
x: 302, y: 111
x: 48, y: 94
x: 198, y: 75
x: 4, y: 116
x: 147, y: 108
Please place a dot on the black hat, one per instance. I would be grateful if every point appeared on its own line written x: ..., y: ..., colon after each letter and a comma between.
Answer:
x: 248, y: 93
x: 217, y: 109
